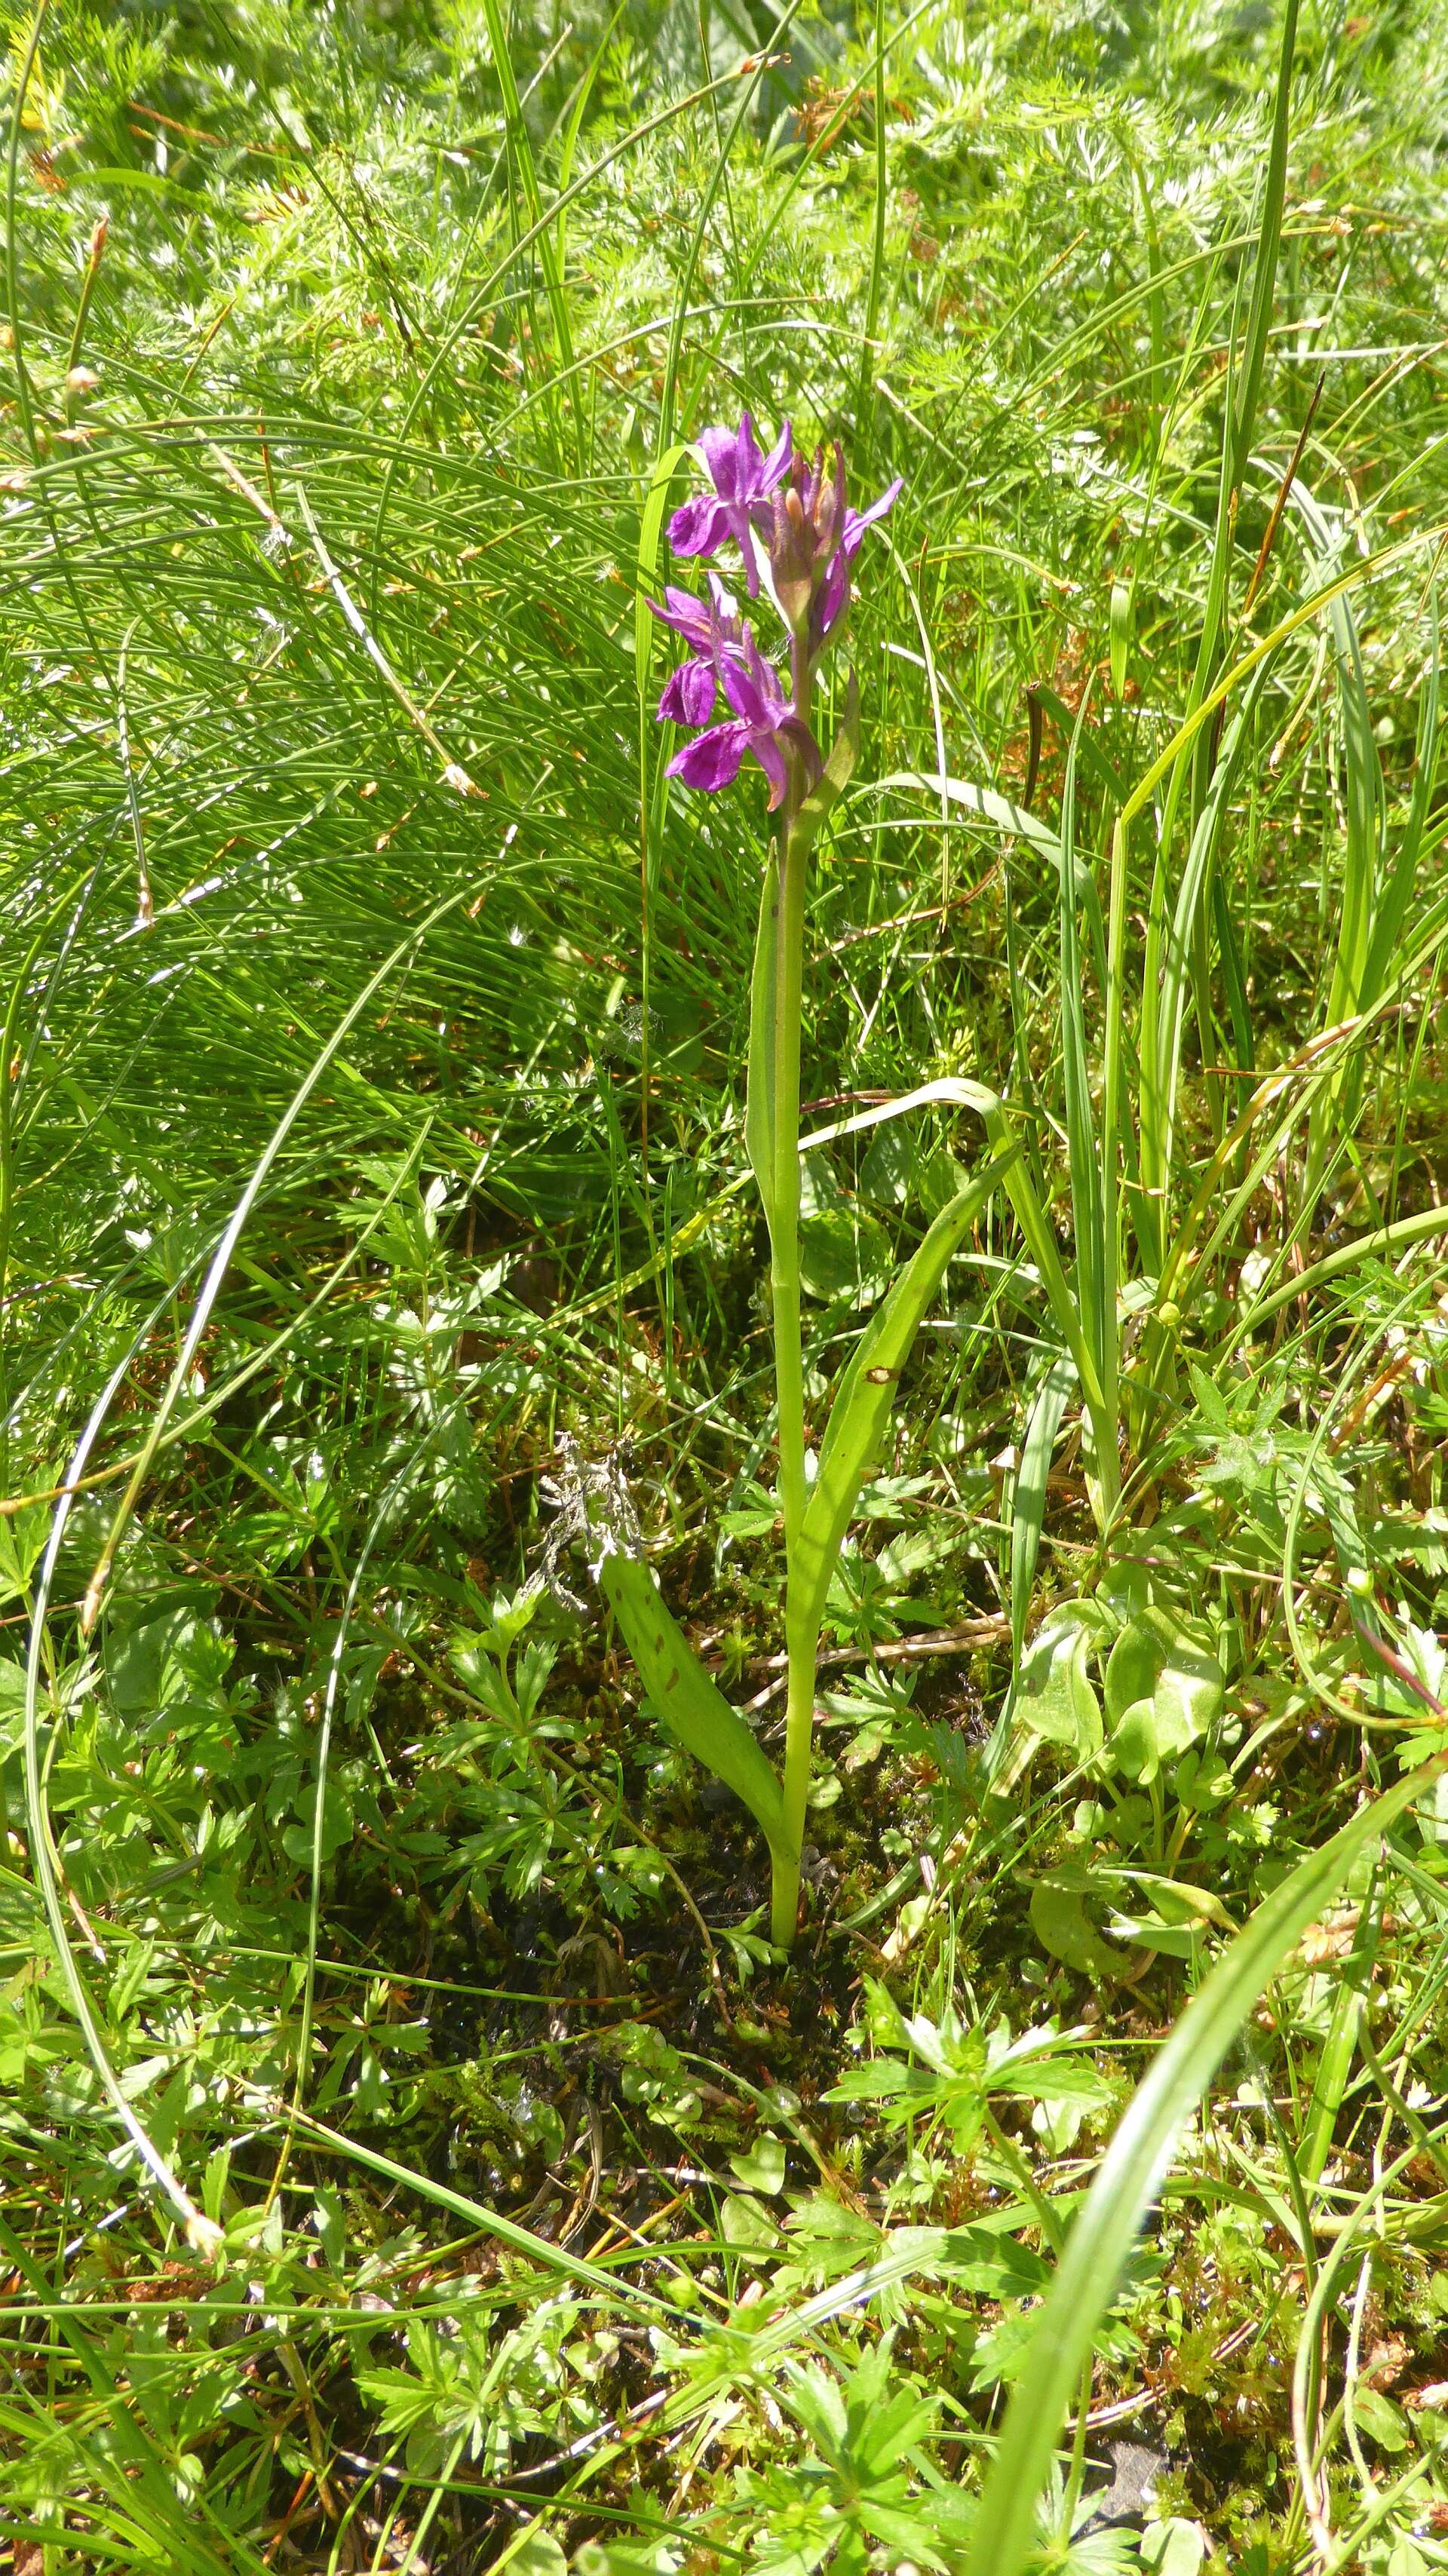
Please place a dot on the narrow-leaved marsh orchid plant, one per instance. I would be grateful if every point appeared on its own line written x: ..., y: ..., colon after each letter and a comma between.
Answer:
x: 798, y: 540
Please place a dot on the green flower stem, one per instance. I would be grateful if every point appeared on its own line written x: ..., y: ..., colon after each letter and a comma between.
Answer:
x: 784, y: 1233
x: 801, y: 1641
x: 802, y: 1645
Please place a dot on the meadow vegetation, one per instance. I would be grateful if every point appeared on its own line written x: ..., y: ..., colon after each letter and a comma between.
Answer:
x: 421, y: 2151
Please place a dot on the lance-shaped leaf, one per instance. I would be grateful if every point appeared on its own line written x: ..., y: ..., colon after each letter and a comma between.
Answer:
x: 867, y: 1398
x: 1030, y: 1216
x: 682, y: 1694
x: 991, y: 807
x: 1028, y: 1501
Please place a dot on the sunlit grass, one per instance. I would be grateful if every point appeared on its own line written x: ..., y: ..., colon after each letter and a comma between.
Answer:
x: 375, y: 1029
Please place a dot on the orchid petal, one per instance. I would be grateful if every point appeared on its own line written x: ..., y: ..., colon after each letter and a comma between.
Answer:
x: 746, y: 548
x: 857, y: 521
x: 745, y: 695
x: 688, y: 697
x: 712, y: 759
x: 764, y: 675
x: 774, y: 765
x: 776, y: 463
x: 720, y: 449
x: 698, y: 526
x: 687, y: 616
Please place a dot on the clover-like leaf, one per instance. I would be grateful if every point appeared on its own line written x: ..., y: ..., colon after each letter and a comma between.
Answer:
x: 1057, y: 1699
x: 1164, y: 1689
x: 1063, y: 1927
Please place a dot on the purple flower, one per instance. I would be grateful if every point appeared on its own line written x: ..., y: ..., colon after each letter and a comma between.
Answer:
x: 814, y: 538
x: 688, y: 697
x: 764, y: 724
x: 707, y: 625
x: 833, y: 596
x: 857, y: 521
x: 743, y: 478
x: 713, y: 630
x: 794, y: 516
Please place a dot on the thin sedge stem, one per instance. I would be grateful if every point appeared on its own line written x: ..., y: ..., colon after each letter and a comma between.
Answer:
x: 1104, y: 1434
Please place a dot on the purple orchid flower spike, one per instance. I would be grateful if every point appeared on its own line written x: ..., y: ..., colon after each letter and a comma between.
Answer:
x: 793, y: 515
x: 764, y: 724
x: 743, y: 478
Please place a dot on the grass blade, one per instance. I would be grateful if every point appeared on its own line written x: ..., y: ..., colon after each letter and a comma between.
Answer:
x: 1391, y: 909
x: 1083, y: 1161
x: 1159, y: 1083
x: 1339, y: 2047
x: 1364, y: 796
x: 1028, y: 1503
x: 1132, y: 2172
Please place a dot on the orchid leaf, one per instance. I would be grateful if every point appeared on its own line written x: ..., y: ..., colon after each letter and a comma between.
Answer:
x: 684, y: 1698
x: 868, y: 1394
